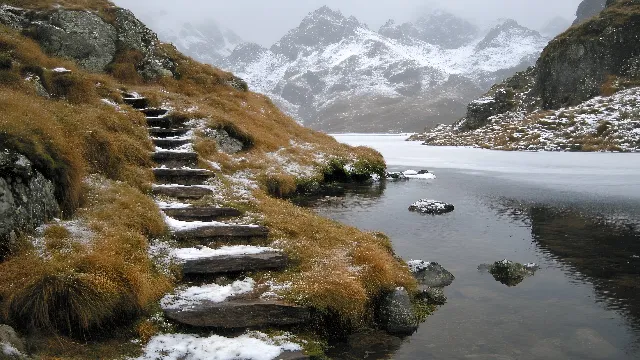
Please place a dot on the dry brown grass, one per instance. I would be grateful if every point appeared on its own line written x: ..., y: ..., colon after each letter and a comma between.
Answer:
x: 101, y: 284
x: 340, y: 268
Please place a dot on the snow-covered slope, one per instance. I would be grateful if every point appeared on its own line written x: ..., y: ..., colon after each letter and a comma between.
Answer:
x: 600, y: 124
x: 336, y: 74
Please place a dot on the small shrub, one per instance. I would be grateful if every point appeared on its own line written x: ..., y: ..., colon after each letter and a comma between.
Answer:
x: 603, y: 127
x: 279, y: 185
x: 75, y: 88
x: 125, y: 65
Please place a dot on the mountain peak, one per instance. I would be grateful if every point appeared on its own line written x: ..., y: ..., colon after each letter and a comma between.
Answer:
x: 318, y: 29
x: 438, y: 28
x: 504, y: 32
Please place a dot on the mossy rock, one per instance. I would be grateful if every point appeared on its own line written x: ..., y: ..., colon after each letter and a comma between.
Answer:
x: 508, y: 272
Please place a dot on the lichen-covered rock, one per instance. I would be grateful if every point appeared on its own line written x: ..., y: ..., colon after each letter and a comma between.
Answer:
x: 575, y: 65
x: 396, y: 313
x: 79, y: 35
x: 432, y: 207
x: 11, y: 346
x: 26, y: 198
x: 225, y: 142
x: 508, y: 272
x: 432, y: 295
x: 90, y: 40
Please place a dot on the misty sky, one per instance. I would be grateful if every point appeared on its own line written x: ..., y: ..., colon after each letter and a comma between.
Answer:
x: 265, y: 21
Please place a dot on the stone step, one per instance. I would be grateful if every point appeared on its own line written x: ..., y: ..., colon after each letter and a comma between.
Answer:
x: 160, y: 122
x: 175, y: 159
x: 155, y: 112
x: 201, y: 213
x: 217, y: 231
x: 182, y: 176
x: 168, y: 133
x: 240, y: 314
x: 271, y: 260
x: 293, y: 355
x: 170, y: 143
x: 136, y: 102
x: 182, y: 192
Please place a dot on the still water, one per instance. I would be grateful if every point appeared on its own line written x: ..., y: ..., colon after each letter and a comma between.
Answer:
x: 576, y: 215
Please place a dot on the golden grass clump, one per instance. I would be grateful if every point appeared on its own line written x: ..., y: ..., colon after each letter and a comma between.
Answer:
x: 340, y: 268
x: 100, y: 285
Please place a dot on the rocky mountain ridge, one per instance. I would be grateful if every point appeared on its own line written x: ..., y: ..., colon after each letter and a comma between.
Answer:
x: 598, y: 57
x: 336, y: 74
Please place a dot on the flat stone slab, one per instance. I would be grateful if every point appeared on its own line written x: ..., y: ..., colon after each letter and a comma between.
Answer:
x: 175, y: 159
x: 238, y: 314
x: 167, y: 133
x: 222, y: 231
x: 201, y: 213
x: 154, y: 112
x: 182, y: 192
x: 182, y: 176
x: 295, y: 355
x: 161, y: 122
x: 170, y: 143
x: 272, y: 260
x: 138, y: 103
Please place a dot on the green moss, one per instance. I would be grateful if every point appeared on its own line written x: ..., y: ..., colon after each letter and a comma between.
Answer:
x: 422, y: 308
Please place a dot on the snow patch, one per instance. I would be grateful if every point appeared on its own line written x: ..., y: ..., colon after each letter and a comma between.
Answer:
x: 192, y: 296
x: 206, y: 252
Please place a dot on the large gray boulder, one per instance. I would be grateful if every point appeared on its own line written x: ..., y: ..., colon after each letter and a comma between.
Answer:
x: 396, y: 313
x: 79, y: 35
x: 27, y: 198
x: 90, y: 40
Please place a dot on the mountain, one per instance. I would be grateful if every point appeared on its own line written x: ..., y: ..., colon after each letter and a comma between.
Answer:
x: 336, y: 74
x: 203, y: 40
x: 555, y: 26
x: 582, y: 95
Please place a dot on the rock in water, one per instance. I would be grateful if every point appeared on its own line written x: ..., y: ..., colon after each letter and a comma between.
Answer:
x: 430, y: 274
x: 432, y: 207
x: 396, y: 313
x: 508, y: 272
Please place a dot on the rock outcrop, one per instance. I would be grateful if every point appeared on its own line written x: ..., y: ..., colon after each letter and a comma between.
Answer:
x: 575, y: 66
x: 432, y: 278
x: 27, y: 198
x: 588, y: 9
x: 91, y: 41
x: 396, y: 313
x: 431, y: 207
x: 508, y: 272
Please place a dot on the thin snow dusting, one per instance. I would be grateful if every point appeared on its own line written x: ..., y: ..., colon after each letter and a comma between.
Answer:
x: 204, y: 252
x: 250, y: 346
x: 9, y: 350
x: 177, y: 225
x: 172, y: 205
x: 61, y: 70
x: 187, y: 298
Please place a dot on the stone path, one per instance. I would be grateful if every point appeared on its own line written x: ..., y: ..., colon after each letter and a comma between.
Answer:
x: 210, y: 305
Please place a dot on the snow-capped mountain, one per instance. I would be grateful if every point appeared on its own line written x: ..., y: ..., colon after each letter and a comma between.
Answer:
x: 204, y: 40
x: 336, y: 74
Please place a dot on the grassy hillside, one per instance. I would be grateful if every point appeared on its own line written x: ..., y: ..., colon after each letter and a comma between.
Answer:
x: 91, y: 272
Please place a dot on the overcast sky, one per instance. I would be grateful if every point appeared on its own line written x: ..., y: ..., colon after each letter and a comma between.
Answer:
x: 266, y: 21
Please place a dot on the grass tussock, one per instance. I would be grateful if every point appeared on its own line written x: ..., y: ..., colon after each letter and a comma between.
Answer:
x: 102, y: 283
x: 340, y: 268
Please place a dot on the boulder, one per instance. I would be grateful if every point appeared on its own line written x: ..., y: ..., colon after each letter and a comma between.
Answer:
x: 430, y: 274
x: 224, y: 141
x: 508, y: 272
x: 27, y: 198
x: 396, y: 313
x: 432, y: 295
x: 11, y: 346
x: 432, y: 207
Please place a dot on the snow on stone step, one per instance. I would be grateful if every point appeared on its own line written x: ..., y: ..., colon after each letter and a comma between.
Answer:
x: 171, y: 143
x: 168, y: 133
x: 154, y: 112
x: 249, y: 346
x: 175, y: 158
x: 184, y: 176
x: 229, y: 259
x: 193, y: 213
x: 219, y: 306
x: 200, y: 230
x: 181, y: 191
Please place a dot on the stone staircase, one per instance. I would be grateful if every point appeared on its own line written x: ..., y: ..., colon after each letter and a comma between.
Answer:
x: 178, y: 177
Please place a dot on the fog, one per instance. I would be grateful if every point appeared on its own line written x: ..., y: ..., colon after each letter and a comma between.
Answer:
x: 264, y: 21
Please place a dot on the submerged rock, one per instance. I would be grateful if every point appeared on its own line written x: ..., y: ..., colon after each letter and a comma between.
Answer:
x: 432, y: 207
x: 396, y: 313
x: 508, y: 272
